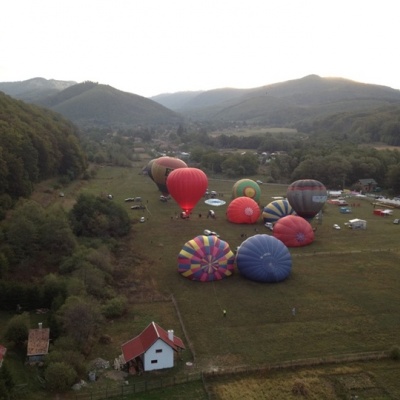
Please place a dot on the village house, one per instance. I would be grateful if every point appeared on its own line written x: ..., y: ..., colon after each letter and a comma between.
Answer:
x: 367, y: 185
x: 153, y: 349
x: 38, y: 343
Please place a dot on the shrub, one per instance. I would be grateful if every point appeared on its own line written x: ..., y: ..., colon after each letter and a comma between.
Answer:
x: 17, y: 329
x: 115, y: 307
x: 59, y: 377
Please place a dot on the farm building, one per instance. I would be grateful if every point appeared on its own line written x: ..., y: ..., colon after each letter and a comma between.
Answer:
x: 152, y: 349
x: 3, y: 352
x: 38, y: 344
x: 358, y: 224
x: 367, y: 185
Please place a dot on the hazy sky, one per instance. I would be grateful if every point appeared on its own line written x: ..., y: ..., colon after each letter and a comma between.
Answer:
x: 150, y: 47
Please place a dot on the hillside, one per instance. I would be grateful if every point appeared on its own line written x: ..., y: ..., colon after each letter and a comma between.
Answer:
x: 90, y: 104
x: 35, y: 144
x: 35, y: 89
x: 285, y: 103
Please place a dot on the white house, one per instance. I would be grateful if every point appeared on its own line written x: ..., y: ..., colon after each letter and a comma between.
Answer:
x: 153, y: 349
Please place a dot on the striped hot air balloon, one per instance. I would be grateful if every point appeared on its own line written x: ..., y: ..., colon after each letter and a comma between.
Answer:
x: 277, y: 209
x: 205, y: 259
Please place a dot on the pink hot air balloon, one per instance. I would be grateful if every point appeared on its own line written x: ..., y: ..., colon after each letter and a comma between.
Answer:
x: 243, y: 210
x: 293, y: 231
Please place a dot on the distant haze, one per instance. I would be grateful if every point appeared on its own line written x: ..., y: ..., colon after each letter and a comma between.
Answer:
x: 156, y: 46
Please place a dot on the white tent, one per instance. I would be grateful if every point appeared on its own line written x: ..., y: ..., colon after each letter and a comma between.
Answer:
x: 358, y: 224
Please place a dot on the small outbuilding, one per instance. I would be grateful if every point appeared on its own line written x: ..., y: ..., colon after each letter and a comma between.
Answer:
x: 358, y: 224
x: 153, y: 349
x: 38, y: 344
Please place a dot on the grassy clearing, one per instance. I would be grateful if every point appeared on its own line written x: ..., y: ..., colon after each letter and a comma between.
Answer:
x: 344, y: 285
x: 366, y: 380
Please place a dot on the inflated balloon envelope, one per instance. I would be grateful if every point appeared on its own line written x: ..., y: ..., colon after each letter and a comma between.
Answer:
x: 206, y: 259
x: 187, y: 186
x: 161, y: 167
x: 263, y: 258
x: 307, y: 197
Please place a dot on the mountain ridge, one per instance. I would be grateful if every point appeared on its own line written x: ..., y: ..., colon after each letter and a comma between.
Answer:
x: 288, y: 103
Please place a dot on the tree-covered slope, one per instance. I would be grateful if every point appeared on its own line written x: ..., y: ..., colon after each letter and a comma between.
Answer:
x: 92, y: 104
x: 287, y: 103
x: 35, y: 89
x: 35, y: 144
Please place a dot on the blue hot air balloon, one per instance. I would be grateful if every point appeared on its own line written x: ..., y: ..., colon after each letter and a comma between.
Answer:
x: 263, y: 258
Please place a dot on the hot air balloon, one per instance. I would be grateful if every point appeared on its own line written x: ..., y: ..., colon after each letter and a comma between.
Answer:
x: 307, y: 197
x: 263, y: 258
x: 147, y: 168
x: 277, y: 209
x: 161, y: 168
x: 187, y: 186
x: 247, y: 188
x: 243, y: 210
x: 294, y: 231
x: 205, y: 259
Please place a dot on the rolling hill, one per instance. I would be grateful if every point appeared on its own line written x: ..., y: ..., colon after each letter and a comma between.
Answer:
x: 35, y: 89
x: 296, y: 103
x: 90, y: 104
x: 283, y: 103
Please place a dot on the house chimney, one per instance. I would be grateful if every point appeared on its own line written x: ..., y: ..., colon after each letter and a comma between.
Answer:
x: 40, y: 325
x: 171, y: 335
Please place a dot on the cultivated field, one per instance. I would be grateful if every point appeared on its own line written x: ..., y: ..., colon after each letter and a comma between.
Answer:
x: 344, y: 286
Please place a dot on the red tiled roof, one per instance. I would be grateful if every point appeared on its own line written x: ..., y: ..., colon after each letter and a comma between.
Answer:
x: 138, y: 345
x: 38, y: 341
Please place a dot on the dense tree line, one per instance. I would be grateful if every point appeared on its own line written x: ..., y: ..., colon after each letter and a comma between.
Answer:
x: 62, y: 262
x: 35, y: 144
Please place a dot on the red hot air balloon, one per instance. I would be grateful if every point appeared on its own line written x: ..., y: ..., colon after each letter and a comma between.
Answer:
x: 293, y: 231
x: 243, y: 210
x: 187, y: 186
x: 161, y: 168
x: 307, y: 197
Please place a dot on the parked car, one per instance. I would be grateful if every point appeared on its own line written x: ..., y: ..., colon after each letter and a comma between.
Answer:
x: 142, y: 219
x: 138, y: 207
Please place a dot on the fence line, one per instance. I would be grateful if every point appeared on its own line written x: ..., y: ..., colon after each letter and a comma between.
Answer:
x: 188, y: 341
x: 206, y: 376
x: 334, y: 253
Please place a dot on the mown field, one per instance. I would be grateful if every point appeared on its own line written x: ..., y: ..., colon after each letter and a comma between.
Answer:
x: 344, y: 286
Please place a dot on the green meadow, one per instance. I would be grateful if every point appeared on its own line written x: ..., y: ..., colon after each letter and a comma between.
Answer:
x: 344, y: 286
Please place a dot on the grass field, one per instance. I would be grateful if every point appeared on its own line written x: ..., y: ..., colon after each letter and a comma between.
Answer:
x: 344, y: 286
